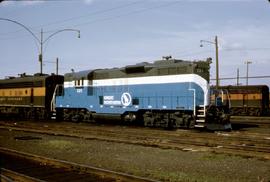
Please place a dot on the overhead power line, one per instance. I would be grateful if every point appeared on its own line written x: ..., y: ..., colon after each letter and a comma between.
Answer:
x: 129, y: 13
x: 246, y: 49
x: 242, y: 77
x: 94, y: 13
x: 80, y: 16
x: 105, y: 11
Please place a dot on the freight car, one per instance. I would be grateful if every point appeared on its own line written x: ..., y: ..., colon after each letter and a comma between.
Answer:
x: 166, y: 93
x: 251, y: 100
x: 28, y: 96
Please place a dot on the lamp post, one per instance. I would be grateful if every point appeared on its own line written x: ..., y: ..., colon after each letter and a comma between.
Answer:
x: 216, y: 48
x: 247, y: 62
x: 237, y: 78
x: 40, y: 40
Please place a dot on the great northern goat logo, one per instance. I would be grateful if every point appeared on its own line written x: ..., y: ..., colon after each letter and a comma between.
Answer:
x: 126, y: 99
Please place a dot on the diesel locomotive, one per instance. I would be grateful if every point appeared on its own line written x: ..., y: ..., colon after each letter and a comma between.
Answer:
x: 166, y: 93
x: 28, y: 96
x: 251, y: 100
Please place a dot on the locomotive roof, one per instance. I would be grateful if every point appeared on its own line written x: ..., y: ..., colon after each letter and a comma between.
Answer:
x: 245, y: 87
x: 159, y: 67
x: 23, y: 80
x: 77, y: 75
x: 26, y: 78
x: 176, y: 66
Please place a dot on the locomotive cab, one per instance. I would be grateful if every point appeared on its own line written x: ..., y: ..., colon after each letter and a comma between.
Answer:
x: 218, y: 111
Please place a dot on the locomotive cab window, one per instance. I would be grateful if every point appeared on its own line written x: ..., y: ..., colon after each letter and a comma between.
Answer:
x: 79, y: 83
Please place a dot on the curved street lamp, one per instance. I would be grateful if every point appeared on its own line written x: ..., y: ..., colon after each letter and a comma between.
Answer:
x: 40, y: 40
x: 217, y: 67
x: 247, y: 62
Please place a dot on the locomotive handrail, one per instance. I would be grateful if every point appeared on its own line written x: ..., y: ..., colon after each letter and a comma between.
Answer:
x: 53, y: 99
x: 194, y: 100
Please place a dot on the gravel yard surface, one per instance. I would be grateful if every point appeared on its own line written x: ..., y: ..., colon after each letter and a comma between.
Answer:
x: 156, y: 163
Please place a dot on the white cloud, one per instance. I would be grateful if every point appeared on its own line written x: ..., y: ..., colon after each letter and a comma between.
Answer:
x: 24, y: 3
x: 88, y: 1
x: 32, y: 2
x: 7, y: 3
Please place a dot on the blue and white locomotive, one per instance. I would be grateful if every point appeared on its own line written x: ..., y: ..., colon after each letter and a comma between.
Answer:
x: 166, y: 93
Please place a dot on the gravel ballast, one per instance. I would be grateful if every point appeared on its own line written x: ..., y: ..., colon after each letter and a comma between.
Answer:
x: 156, y: 163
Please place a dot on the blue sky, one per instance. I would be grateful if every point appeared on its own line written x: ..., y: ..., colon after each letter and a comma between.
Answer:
x: 123, y: 32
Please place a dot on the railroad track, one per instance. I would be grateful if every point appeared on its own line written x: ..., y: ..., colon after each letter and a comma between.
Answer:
x: 7, y: 175
x: 20, y: 166
x: 249, y: 144
x: 251, y: 120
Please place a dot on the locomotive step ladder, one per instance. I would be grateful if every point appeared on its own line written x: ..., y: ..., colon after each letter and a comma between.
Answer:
x: 53, y: 115
x: 200, y: 117
x: 53, y: 104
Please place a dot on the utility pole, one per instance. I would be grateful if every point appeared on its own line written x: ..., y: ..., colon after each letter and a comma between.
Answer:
x: 217, y: 64
x: 237, y: 79
x: 41, y: 51
x: 247, y: 62
x: 57, y: 62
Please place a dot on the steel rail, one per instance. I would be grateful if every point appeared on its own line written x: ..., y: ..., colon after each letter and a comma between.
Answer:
x: 219, y: 146
x: 103, y: 173
x: 9, y: 175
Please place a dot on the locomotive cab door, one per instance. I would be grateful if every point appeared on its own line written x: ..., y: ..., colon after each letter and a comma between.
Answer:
x: 220, y: 98
x: 220, y: 103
